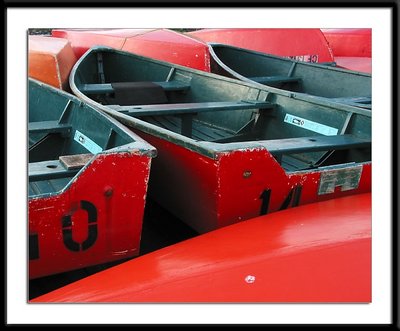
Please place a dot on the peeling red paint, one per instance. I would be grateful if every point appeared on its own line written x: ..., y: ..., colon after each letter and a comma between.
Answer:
x: 208, y: 194
x: 119, y: 215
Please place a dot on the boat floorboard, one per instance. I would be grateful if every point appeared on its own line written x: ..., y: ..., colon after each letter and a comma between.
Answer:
x: 290, y: 163
x: 200, y: 130
x: 47, y: 186
x: 204, y: 132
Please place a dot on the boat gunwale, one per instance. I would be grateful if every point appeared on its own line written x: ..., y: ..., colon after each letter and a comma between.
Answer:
x: 300, y: 95
x: 137, y: 146
x: 211, y: 46
x: 209, y: 149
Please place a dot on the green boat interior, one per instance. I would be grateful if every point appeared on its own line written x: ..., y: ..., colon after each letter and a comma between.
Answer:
x: 210, y: 108
x: 344, y: 86
x: 63, y: 136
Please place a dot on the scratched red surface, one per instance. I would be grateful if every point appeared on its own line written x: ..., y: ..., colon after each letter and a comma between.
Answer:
x: 307, y: 45
x: 161, y: 44
x: 319, y: 252
x: 352, y: 48
x: 115, y: 186
x: 349, y: 42
x: 208, y: 194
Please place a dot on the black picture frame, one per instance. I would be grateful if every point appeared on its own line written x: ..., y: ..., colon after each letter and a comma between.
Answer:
x: 392, y: 5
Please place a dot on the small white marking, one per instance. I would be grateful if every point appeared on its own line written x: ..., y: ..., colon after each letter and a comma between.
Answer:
x: 310, y: 125
x: 250, y: 279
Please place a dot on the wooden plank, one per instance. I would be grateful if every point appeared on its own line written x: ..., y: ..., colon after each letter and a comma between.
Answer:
x: 275, y: 79
x: 107, y: 88
x: 75, y: 161
x: 190, y: 108
x: 49, y: 127
x: 314, y: 144
x: 363, y: 102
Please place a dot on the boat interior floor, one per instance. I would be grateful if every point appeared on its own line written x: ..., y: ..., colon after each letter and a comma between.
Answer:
x: 294, y: 84
x: 323, y: 150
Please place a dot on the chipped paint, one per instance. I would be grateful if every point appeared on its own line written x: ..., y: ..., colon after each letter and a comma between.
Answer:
x: 250, y: 279
x: 345, y: 179
x: 208, y: 184
x: 88, y: 201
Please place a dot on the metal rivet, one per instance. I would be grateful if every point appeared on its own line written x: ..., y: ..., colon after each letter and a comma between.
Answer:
x: 108, y: 191
x: 246, y: 173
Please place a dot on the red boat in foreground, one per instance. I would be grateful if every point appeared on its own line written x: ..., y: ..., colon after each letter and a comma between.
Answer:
x: 307, y: 45
x: 351, y: 48
x: 161, y: 44
x: 50, y: 60
x: 319, y: 252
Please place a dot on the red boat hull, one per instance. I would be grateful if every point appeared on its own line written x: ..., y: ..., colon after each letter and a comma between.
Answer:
x: 362, y: 64
x: 307, y: 45
x: 315, y: 253
x: 349, y: 42
x: 161, y: 44
x: 96, y: 219
x: 209, y: 193
x: 352, y: 48
x: 50, y: 60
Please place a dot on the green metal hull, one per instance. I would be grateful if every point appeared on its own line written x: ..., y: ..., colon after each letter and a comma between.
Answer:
x: 88, y: 178
x: 209, y: 113
x: 229, y: 150
x: 315, y: 80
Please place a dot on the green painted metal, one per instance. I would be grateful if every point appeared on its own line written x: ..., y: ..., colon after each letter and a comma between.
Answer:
x: 214, y: 114
x: 316, y: 80
x: 60, y: 125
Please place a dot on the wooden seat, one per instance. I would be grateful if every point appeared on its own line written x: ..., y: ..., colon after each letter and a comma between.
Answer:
x: 363, y: 102
x: 49, y: 127
x: 107, y: 88
x: 269, y: 80
x: 314, y: 144
x: 190, y: 108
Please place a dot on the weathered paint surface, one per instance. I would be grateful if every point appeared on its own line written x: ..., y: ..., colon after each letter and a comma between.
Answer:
x: 208, y: 194
x: 50, y: 60
x: 356, y: 63
x: 352, y: 48
x: 319, y: 252
x: 209, y: 184
x: 349, y: 42
x: 161, y: 44
x: 97, y: 219
x: 251, y: 66
x: 307, y: 45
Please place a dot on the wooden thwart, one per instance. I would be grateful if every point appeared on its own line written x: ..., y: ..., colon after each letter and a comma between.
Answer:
x: 275, y: 79
x: 314, y: 144
x: 190, y: 108
x: 107, y: 88
x: 362, y: 102
x: 49, y: 127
